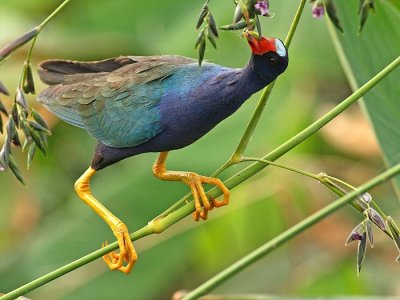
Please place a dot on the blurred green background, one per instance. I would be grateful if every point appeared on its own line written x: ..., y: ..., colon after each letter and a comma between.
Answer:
x: 45, y: 225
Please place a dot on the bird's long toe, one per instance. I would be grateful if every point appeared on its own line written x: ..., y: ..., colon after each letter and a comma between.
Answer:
x: 203, y: 204
x: 127, y: 253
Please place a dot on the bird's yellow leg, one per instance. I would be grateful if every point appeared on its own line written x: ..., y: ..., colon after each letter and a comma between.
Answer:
x: 195, y: 182
x: 127, y: 252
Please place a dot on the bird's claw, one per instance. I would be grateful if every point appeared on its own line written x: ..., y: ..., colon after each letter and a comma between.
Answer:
x: 127, y: 252
x: 202, y: 203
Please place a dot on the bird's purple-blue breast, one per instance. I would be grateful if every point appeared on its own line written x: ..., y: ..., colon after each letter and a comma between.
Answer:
x: 193, y: 101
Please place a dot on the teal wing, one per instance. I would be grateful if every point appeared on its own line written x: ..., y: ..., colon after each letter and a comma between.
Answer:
x: 115, y: 100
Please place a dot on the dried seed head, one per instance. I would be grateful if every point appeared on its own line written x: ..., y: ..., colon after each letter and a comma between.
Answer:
x: 375, y: 217
x: 15, y: 44
x: 365, y: 197
x: 355, y: 234
x: 20, y: 98
x: 361, y: 251
x: 3, y: 89
x: 368, y: 230
x: 394, y: 231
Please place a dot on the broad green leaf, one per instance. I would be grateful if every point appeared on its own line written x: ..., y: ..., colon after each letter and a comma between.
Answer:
x: 364, y: 55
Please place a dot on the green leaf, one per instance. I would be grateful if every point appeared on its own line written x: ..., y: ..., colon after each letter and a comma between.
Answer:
x: 21, y: 100
x: 211, y: 38
x: 212, y: 25
x: 3, y: 108
x: 239, y: 25
x: 31, y: 154
x: 39, y: 119
x: 364, y: 55
x: 238, y: 14
x: 38, y: 140
x: 258, y: 26
x: 11, y: 130
x: 3, y: 89
x: 38, y: 127
x: 203, y: 14
x: 201, y: 45
x: 14, y: 168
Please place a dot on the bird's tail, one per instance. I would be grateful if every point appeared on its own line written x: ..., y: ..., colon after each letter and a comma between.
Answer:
x: 53, y: 72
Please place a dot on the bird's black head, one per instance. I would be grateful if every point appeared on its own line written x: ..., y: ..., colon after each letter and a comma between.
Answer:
x: 269, y: 55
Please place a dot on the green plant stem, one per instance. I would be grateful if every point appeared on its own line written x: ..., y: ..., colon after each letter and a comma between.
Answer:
x: 158, y: 225
x: 288, y: 234
x: 238, y: 153
x: 298, y: 138
x: 268, y: 162
x: 244, y: 141
x: 328, y: 182
x: 69, y: 267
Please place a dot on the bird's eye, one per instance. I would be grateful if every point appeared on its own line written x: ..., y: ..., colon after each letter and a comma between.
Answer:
x: 272, y: 59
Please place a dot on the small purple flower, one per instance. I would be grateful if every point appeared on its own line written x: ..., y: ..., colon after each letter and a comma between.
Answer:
x: 318, y: 10
x: 263, y: 7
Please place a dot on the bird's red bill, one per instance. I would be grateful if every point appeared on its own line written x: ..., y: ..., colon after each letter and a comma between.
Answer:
x: 260, y: 46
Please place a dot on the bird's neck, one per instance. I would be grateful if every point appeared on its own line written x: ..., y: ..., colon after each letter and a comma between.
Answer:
x: 249, y: 80
x: 256, y: 75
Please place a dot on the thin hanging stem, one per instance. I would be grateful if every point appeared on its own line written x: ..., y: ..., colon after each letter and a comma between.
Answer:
x: 52, y: 15
x: 10, y: 48
x: 329, y: 182
x: 288, y: 235
x: 268, y: 162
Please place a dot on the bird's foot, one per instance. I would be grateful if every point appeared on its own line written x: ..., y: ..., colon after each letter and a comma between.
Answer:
x: 127, y: 252
x: 202, y: 203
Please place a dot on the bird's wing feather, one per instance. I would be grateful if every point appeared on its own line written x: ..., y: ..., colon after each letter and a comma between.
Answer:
x: 114, y: 100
